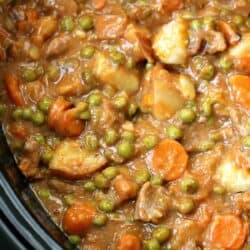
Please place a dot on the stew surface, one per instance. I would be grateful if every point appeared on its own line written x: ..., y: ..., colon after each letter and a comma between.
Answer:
x: 131, y: 118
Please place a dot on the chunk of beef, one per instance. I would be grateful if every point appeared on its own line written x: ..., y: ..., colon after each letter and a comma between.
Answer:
x: 152, y: 203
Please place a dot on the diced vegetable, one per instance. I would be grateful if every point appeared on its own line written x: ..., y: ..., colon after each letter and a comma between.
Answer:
x: 240, y: 87
x: 117, y: 76
x: 78, y: 218
x: 169, y: 159
x: 129, y: 242
x: 171, y: 41
x: 164, y: 93
x: 71, y: 161
x: 227, y: 231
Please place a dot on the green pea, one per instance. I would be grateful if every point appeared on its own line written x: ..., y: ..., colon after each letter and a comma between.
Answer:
x: 38, y: 118
x: 207, y: 72
x: 85, y: 115
x: 149, y: 66
x: 152, y: 244
x: 128, y: 135
x: 117, y: 57
x: 185, y: 205
x: 120, y: 102
x: 156, y: 180
x: 106, y: 205
x: 132, y: 109
x: 47, y: 155
x: 67, y: 23
x: 101, y: 181
x: 225, y: 64
x: 238, y: 20
x: 110, y: 172
x: 53, y: 72
x: 196, y: 24
x: 86, y: 23
x: 207, y: 107
x: 206, y: 145
x: 100, y: 219
x: 2, y: 109
x: 218, y: 189
x: 44, y: 193
x: 89, y: 186
x: 87, y: 52
x: 45, y: 104
x: 248, y: 22
x: 40, y: 139
x: 141, y: 176
x: 95, y: 99
x: 27, y: 113
x: 74, y: 239
x: 174, y: 132
x: 17, y: 114
x: 246, y: 141
x: 69, y: 199
x: 161, y: 234
x: 187, y: 115
x: 29, y: 75
x: 91, y: 142
x: 125, y: 149
x: 34, y: 53
x: 189, y: 185
x: 110, y: 137
x: 150, y: 141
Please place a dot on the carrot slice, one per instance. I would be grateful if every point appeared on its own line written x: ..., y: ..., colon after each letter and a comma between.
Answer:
x: 19, y: 131
x: 129, y: 242
x: 170, y: 159
x: 13, y: 89
x: 78, y: 218
x: 228, y: 231
x: 231, y: 36
x: 98, y: 4
x: 243, y: 64
x: 241, y: 89
x: 172, y: 5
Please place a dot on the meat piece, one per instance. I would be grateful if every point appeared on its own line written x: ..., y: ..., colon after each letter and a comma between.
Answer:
x: 71, y: 161
x: 70, y: 85
x: 125, y: 188
x: 63, y: 118
x: 29, y: 164
x: 139, y: 44
x: 61, y: 186
x: 34, y: 91
x: 215, y: 42
x: 44, y: 28
x: 58, y: 45
x: 110, y: 26
x: 152, y: 203
x: 63, y: 7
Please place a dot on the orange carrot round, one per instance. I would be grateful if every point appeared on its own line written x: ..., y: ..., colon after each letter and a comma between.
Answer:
x: 78, y: 218
x: 129, y: 242
x: 240, y: 89
x: 169, y: 159
x: 227, y: 231
x: 243, y: 64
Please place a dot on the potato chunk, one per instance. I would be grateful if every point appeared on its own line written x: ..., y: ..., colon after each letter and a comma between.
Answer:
x: 73, y: 162
x: 242, y: 49
x: 164, y: 94
x: 170, y: 43
x: 117, y: 76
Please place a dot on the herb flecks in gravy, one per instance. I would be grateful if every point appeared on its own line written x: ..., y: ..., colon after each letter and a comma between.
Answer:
x: 131, y: 119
